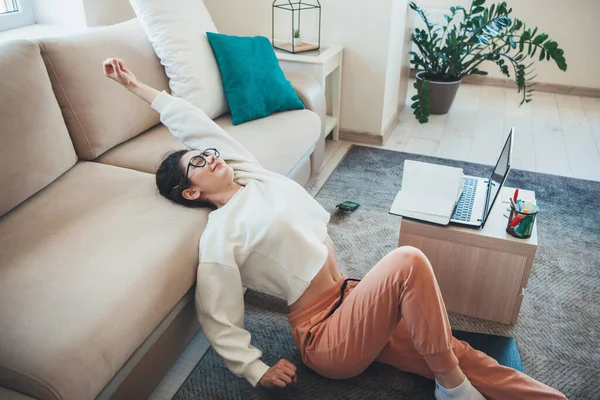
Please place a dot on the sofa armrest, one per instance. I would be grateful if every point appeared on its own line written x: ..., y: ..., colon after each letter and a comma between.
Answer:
x: 310, y: 92
x: 313, y: 96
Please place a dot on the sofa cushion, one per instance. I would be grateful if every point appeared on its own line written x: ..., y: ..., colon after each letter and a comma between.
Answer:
x: 6, y: 394
x: 278, y: 142
x: 89, y: 267
x: 35, y: 147
x: 254, y: 83
x: 99, y: 113
x: 144, y: 152
x: 177, y: 30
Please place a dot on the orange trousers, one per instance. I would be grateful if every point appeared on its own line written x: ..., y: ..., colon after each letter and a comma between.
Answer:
x: 396, y: 316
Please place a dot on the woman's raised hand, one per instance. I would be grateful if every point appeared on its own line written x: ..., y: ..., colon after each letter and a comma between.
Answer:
x: 116, y: 70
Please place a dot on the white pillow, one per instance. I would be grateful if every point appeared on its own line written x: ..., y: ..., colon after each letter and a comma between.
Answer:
x: 177, y: 30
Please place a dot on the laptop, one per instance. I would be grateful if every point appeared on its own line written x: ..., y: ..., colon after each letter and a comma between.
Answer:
x: 479, y: 194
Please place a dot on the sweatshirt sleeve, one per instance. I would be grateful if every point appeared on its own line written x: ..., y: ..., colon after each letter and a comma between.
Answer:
x: 220, y: 307
x: 192, y: 127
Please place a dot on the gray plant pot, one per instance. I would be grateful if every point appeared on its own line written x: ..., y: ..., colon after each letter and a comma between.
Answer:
x: 441, y: 94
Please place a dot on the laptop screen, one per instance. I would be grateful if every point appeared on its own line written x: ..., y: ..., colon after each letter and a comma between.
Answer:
x: 498, y: 176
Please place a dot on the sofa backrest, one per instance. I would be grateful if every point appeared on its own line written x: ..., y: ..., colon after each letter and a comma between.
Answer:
x: 35, y: 147
x: 99, y: 113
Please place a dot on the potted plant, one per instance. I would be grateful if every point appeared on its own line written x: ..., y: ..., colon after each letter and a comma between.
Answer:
x: 447, y: 53
x: 297, y: 38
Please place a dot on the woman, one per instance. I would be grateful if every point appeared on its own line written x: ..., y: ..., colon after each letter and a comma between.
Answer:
x: 267, y: 233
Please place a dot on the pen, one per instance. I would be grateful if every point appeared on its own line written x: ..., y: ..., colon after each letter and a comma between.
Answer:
x: 517, y: 219
x: 516, y: 195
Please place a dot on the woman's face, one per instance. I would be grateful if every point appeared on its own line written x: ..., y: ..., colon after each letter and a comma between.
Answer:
x: 213, y: 177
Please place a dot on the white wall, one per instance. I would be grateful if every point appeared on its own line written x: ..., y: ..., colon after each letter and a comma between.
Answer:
x: 107, y: 12
x: 398, y: 44
x: 67, y: 13
x: 363, y: 27
x: 572, y: 24
x: 82, y: 13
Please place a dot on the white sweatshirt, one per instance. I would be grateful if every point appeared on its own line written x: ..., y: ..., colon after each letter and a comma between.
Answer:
x: 268, y: 237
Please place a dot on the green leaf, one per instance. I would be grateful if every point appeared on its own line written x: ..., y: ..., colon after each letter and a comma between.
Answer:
x: 502, y: 10
x: 540, y: 38
x: 478, y: 2
x: 551, y: 45
x: 415, y: 97
x: 518, y: 24
x: 542, y: 55
x: 503, y: 21
x: 477, y: 10
x: 476, y: 71
x: 488, y: 30
x: 534, y: 32
x: 482, y: 40
x: 561, y: 63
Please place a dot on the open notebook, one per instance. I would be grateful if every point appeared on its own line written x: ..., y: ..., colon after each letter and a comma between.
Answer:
x: 429, y: 192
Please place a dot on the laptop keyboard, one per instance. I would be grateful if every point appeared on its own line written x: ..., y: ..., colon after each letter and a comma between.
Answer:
x: 464, y: 207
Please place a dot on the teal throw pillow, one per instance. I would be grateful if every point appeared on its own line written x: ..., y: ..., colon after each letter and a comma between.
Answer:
x: 254, y: 84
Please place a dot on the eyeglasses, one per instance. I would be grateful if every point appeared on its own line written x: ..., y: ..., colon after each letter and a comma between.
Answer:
x: 198, y: 161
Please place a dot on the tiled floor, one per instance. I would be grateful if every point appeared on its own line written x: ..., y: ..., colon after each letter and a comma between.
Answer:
x: 555, y: 134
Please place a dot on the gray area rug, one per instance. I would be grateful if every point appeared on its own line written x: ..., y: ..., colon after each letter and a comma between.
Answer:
x: 558, y: 331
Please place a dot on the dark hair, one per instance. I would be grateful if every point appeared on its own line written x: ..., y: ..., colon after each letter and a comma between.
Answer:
x: 170, y: 182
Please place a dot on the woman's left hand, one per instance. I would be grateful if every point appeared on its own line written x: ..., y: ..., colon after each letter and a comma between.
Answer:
x: 116, y: 70
x: 279, y: 375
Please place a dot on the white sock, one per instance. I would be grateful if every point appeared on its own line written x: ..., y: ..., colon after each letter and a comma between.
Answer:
x: 464, y: 391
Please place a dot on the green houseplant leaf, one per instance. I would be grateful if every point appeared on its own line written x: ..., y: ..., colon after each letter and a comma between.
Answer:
x: 471, y: 36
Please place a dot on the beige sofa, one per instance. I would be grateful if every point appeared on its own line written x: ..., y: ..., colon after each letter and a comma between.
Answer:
x: 97, y: 271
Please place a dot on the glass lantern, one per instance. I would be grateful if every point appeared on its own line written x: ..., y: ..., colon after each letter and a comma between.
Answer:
x: 302, y: 14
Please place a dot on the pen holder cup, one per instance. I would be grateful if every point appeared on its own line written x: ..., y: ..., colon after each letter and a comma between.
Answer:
x: 520, y: 224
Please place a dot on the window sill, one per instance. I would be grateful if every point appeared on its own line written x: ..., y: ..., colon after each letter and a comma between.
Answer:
x: 37, y: 31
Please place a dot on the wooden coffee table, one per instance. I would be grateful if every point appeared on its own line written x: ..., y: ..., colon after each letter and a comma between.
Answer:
x: 481, y: 272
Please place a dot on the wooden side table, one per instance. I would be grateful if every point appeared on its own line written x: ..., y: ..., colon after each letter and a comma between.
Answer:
x: 325, y: 65
x: 481, y: 272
